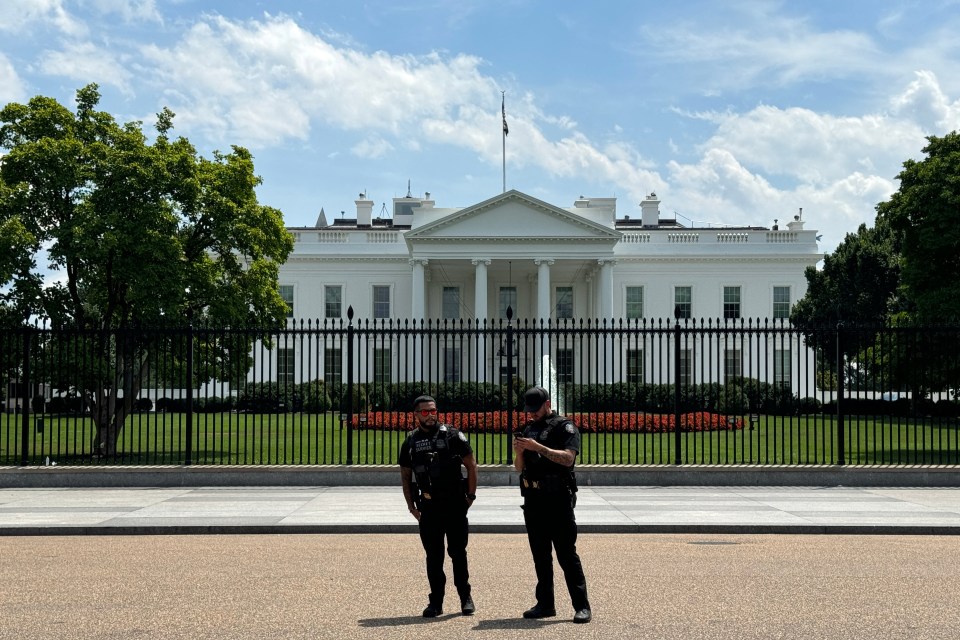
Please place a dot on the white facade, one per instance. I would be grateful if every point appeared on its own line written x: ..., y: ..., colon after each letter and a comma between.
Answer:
x: 580, y: 262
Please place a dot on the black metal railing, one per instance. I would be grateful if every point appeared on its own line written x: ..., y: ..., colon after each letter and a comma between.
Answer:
x: 642, y: 392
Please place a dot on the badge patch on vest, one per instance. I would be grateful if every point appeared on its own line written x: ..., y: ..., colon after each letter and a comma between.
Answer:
x: 571, y: 428
x: 545, y: 432
x: 462, y: 437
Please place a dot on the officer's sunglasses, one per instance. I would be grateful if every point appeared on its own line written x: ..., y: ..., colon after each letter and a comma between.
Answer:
x: 427, y: 412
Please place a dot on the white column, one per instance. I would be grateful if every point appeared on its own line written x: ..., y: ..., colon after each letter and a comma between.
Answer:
x: 480, y: 297
x: 418, y: 311
x: 543, y: 287
x: 606, y: 314
x: 606, y: 288
x: 418, y: 305
x: 589, y: 277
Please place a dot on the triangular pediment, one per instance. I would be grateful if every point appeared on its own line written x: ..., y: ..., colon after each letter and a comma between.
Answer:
x: 510, y: 216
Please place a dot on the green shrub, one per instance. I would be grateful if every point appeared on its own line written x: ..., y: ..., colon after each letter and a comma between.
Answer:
x: 316, y: 398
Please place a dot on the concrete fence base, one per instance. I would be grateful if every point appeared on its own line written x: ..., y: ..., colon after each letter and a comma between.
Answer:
x: 490, y: 475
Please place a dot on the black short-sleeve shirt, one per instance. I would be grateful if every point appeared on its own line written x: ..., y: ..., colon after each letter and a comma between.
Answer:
x: 554, y: 432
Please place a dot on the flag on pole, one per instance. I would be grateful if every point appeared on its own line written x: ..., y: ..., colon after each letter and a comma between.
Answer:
x: 503, y: 111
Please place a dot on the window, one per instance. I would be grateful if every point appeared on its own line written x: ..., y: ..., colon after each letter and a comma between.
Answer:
x: 635, y: 366
x: 564, y: 365
x: 332, y: 301
x: 634, y: 303
x: 451, y: 364
x: 781, y: 368
x: 508, y: 298
x: 285, y: 368
x: 683, y: 302
x: 686, y: 367
x: 381, y: 365
x: 450, y: 304
x: 381, y: 301
x: 731, y: 303
x: 332, y: 365
x: 732, y: 363
x: 564, y: 306
x: 286, y: 292
x: 781, y: 303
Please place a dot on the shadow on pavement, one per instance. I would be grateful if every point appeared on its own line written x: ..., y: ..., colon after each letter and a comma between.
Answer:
x: 515, y: 623
x: 403, y: 621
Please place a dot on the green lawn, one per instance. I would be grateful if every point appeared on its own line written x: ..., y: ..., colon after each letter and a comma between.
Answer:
x: 226, y: 438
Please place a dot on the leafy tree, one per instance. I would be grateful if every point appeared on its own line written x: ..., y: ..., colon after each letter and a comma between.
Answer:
x: 143, y: 235
x: 926, y: 211
x: 857, y: 286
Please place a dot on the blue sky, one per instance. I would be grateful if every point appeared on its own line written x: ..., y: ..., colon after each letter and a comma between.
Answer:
x: 736, y: 113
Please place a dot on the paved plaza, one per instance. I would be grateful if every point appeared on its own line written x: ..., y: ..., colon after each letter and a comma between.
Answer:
x: 360, y: 586
x: 381, y: 509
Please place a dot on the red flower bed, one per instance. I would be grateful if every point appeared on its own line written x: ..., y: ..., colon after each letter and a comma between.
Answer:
x: 496, y: 422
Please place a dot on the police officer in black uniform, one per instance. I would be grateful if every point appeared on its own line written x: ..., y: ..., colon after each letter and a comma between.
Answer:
x: 438, y: 497
x: 545, y: 453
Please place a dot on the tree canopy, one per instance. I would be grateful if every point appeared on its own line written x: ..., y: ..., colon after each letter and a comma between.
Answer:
x: 925, y: 210
x: 138, y: 235
x: 139, y: 232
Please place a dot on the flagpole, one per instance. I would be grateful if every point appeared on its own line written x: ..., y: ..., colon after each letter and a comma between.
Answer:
x: 503, y: 113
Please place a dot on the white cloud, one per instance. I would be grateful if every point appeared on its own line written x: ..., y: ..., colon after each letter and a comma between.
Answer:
x: 371, y: 148
x: 760, y: 46
x: 129, y: 10
x: 925, y: 103
x: 17, y: 15
x: 836, y: 168
x: 87, y: 63
x: 11, y: 86
x: 293, y: 77
x: 807, y: 147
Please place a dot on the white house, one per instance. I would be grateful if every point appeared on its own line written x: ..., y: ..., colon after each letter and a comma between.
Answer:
x: 549, y: 263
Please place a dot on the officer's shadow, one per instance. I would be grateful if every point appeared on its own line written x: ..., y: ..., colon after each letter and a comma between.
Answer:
x: 482, y: 625
x: 513, y: 623
x: 403, y: 621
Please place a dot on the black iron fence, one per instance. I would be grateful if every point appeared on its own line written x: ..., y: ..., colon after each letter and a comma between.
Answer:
x: 642, y: 392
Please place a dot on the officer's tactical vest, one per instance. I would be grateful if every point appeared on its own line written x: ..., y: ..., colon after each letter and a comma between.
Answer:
x: 436, y: 468
x: 543, y: 476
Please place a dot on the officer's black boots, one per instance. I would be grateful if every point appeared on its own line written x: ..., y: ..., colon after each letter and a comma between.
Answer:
x: 467, y: 607
x: 536, y: 612
x: 432, y: 610
x: 582, y: 616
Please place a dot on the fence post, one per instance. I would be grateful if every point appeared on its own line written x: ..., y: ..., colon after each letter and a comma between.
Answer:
x: 189, y: 451
x: 677, y: 442
x: 25, y: 409
x: 350, y: 372
x: 509, y: 345
x: 841, y: 435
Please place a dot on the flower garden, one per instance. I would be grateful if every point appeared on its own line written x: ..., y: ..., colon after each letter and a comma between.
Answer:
x: 598, y: 422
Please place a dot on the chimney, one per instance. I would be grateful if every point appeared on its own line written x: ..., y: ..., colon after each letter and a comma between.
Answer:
x: 650, y: 209
x: 364, y: 211
x: 797, y: 224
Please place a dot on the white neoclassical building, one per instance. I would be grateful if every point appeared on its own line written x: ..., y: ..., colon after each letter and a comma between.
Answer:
x: 552, y: 265
x: 547, y: 262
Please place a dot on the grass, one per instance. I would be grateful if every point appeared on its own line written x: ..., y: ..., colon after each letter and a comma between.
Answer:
x: 230, y: 439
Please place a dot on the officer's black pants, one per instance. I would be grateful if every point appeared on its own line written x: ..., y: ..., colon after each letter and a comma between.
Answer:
x: 551, y: 523
x: 436, y: 522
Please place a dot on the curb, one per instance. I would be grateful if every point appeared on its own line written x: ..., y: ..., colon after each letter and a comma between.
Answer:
x: 491, y: 475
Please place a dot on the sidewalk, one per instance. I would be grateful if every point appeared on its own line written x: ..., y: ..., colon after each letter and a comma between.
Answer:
x: 381, y: 509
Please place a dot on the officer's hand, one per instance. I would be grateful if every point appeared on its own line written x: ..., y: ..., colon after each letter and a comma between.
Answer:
x: 527, y: 444
x: 469, y: 501
x: 416, y: 513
